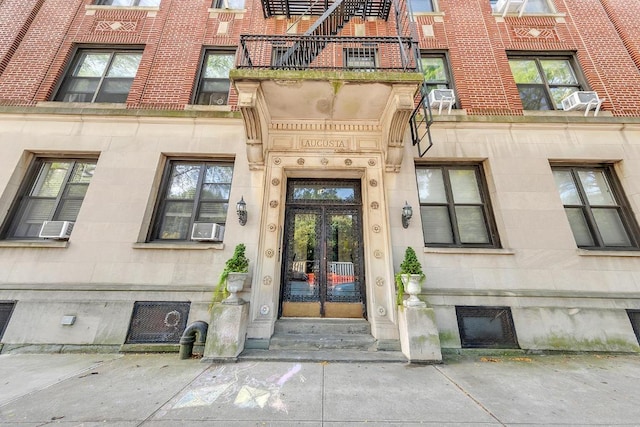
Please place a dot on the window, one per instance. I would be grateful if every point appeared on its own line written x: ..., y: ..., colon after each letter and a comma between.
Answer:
x: 436, y: 71
x: 193, y: 192
x: 361, y: 59
x: 596, y: 207
x: 634, y: 318
x: 454, y: 207
x: 100, y: 76
x: 486, y: 327
x: 54, y: 191
x: 419, y: 6
x: 6, y: 308
x: 214, y: 84
x: 228, y: 4
x: 532, y: 6
x: 544, y: 81
x: 128, y: 2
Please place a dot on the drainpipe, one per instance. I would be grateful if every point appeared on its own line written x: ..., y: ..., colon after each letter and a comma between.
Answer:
x: 188, y: 338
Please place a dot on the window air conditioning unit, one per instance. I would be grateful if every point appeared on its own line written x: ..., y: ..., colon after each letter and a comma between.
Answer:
x: 58, y: 230
x: 440, y: 97
x: 218, y: 98
x: 207, y: 232
x: 510, y: 6
x: 582, y: 100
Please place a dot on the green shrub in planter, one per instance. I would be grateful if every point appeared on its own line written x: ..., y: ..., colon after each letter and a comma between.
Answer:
x: 409, y: 265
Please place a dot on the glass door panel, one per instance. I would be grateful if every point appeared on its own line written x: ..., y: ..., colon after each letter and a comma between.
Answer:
x: 322, y: 271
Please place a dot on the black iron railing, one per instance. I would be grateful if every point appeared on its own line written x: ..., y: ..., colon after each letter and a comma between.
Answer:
x: 289, y: 8
x: 327, y: 53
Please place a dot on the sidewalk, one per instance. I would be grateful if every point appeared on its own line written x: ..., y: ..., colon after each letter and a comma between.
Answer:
x: 161, y: 390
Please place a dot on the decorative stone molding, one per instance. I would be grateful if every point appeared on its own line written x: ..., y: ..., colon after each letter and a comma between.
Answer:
x: 545, y: 33
x: 248, y: 94
x: 116, y: 26
x: 323, y: 126
x: 396, y: 121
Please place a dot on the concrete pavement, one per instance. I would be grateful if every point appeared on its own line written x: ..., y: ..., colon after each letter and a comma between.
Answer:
x: 473, y: 390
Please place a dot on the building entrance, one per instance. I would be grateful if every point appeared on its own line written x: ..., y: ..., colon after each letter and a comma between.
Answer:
x: 323, y: 256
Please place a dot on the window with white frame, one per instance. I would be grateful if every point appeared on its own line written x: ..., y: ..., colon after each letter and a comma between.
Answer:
x: 531, y: 6
x: 100, y: 76
x: 596, y: 207
x: 214, y: 84
x: 128, y: 3
x: 421, y: 6
x: 53, y: 190
x: 454, y: 206
x: 544, y: 81
x: 228, y: 4
x: 192, y: 192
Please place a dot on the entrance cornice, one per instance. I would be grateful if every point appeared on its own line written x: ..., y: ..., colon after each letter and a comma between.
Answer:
x: 377, y: 105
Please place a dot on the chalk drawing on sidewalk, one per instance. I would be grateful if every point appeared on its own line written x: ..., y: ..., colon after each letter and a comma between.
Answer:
x: 235, y: 385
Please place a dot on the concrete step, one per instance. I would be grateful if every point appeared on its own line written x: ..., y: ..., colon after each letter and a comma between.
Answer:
x: 305, y: 326
x: 362, y: 342
x: 350, y: 356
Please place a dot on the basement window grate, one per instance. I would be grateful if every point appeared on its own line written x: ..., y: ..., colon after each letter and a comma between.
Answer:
x: 158, y: 322
x: 486, y: 327
x: 6, y: 308
x: 634, y: 317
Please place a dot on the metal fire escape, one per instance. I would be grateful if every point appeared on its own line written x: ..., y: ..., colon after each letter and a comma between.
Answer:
x: 333, y: 17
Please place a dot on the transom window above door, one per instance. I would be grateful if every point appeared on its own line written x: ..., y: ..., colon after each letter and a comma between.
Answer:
x: 100, y: 76
x: 544, y: 81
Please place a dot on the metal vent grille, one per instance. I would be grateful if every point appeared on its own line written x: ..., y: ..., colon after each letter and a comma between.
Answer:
x: 486, y: 327
x: 6, y: 308
x: 157, y: 322
x: 634, y: 317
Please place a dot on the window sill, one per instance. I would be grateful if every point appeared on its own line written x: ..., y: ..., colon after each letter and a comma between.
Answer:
x: 213, y: 12
x: 428, y: 13
x: 562, y: 113
x: 91, y: 8
x: 82, y: 105
x: 559, y: 17
x: 468, y: 251
x: 197, y: 107
x: 179, y: 246
x: 603, y: 253
x: 34, y: 243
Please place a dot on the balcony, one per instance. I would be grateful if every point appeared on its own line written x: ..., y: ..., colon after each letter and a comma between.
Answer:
x: 358, y: 89
x: 333, y: 53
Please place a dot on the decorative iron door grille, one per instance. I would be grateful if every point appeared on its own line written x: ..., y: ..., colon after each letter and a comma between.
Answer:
x: 322, y: 270
x: 158, y: 322
x: 6, y: 308
x: 486, y: 327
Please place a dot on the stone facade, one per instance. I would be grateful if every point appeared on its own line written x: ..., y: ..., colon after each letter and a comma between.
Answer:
x: 292, y: 125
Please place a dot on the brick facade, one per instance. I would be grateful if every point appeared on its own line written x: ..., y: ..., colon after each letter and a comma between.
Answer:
x: 39, y: 38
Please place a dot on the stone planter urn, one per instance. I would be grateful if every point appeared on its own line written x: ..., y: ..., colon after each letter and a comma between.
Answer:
x: 235, y: 283
x: 412, y: 287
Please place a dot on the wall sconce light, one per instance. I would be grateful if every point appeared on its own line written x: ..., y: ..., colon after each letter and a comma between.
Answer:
x: 407, y: 213
x: 241, y: 209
